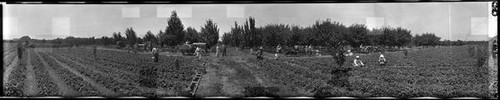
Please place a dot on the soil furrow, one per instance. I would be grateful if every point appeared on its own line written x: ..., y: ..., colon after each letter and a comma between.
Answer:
x: 105, y: 91
x: 8, y: 70
x: 64, y: 89
x: 31, y: 83
x: 112, y: 74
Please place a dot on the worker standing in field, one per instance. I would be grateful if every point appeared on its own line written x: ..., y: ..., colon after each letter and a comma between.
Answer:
x: 224, y: 50
x: 259, y: 53
x: 155, y: 54
x: 217, y: 50
x: 95, y: 52
x: 197, y: 52
x: 278, y: 49
x: 358, y: 62
x: 406, y: 52
x: 19, y: 51
x: 310, y: 49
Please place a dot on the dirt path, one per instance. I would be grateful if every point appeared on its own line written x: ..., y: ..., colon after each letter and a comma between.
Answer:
x: 64, y: 89
x: 235, y: 76
x: 31, y: 89
x: 224, y: 80
x: 105, y: 91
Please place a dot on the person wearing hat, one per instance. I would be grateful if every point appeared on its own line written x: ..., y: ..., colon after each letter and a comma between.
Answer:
x: 217, y: 51
x: 278, y: 49
x: 197, y: 52
x: 382, y: 60
x: 156, y: 54
x: 259, y: 53
x: 358, y: 62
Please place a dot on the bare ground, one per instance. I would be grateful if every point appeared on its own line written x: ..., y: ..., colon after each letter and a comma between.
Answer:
x: 235, y: 76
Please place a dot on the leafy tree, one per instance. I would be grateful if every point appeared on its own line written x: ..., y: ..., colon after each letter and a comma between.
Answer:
x: 131, y: 36
x: 328, y: 33
x: 252, y: 31
x: 228, y: 39
x: 117, y: 37
x: 106, y: 40
x: 249, y: 37
x: 44, y: 41
x: 234, y: 37
x: 58, y: 41
x: 273, y: 35
x: 357, y: 35
x: 170, y: 39
x: 403, y: 37
x: 191, y: 35
x: 374, y: 37
x: 25, y: 38
x: 161, y: 38
x: 237, y: 32
x: 459, y: 43
x: 210, y: 33
x: 175, y: 29
x: 395, y: 37
x: 150, y: 37
x: 427, y: 39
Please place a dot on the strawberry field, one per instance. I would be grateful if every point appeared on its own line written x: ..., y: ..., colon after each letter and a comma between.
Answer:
x: 75, y: 72
x: 435, y: 72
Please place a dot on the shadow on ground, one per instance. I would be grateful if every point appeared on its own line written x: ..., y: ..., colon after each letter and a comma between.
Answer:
x: 252, y: 91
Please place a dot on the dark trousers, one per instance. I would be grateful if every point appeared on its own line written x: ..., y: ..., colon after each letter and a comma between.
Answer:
x: 156, y: 57
x: 19, y: 55
x: 223, y: 52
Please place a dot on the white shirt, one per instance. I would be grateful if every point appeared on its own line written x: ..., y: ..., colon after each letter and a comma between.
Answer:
x: 154, y: 50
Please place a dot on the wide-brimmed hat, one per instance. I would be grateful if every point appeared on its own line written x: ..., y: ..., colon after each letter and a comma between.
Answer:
x: 381, y: 55
x: 357, y: 56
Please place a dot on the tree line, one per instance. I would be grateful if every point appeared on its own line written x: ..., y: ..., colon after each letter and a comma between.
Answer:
x: 328, y: 33
x: 174, y: 34
x: 324, y: 33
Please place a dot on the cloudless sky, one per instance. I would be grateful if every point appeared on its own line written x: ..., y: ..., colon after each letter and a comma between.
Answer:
x: 449, y: 20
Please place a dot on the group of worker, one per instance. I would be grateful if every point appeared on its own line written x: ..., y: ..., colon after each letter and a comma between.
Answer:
x: 276, y: 55
x: 198, y: 51
x: 358, y: 63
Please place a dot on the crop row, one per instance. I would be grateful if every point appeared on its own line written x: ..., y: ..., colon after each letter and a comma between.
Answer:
x: 104, y: 67
x: 75, y: 82
x: 165, y: 72
x: 285, y: 77
x: 46, y: 85
x: 441, y: 72
x: 101, y: 78
x: 15, y: 84
x: 9, y: 58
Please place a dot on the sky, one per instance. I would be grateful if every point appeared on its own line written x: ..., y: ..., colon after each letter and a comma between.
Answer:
x: 448, y: 20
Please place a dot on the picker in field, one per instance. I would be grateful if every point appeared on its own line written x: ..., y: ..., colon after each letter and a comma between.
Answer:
x: 406, y: 52
x: 224, y: 50
x: 217, y: 50
x: 358, y: 62
x: 155, y: 54
x: 197, y: 52
x: 278, y: 49
x: 382, y: 61
x: 310, y: 49
x: 259, y: 53
x: 19, y: 51
x: 95, y: 52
